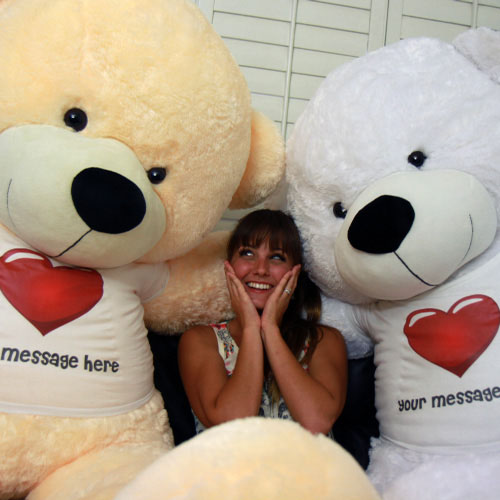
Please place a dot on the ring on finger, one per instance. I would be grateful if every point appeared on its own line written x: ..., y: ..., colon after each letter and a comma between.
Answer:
x: 287, y: 290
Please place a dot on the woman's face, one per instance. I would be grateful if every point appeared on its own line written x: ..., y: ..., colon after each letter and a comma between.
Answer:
x: 260, y: 269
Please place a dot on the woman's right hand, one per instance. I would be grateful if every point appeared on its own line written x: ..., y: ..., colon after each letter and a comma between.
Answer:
x: 241, y: 303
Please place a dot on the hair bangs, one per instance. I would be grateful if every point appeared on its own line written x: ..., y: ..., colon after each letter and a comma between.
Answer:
x: 272, y: 226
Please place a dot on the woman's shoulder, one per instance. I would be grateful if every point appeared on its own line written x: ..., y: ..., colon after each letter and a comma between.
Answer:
x: 330, y: 354
x: 199, y: 335
x: 331, y: 340
x: 331, y: 334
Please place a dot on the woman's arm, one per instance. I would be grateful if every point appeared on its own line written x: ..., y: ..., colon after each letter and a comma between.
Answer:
x: 215, y: 397
x: 315, y: 397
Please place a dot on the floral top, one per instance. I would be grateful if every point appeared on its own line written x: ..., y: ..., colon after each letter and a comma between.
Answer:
x: 228, y: 350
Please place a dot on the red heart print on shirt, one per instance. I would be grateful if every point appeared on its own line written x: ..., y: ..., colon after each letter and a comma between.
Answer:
x: 454, y: 340
x: 47, y: 296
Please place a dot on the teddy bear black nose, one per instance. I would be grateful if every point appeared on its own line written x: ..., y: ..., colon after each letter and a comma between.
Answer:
x: 382, y: 225
x: 107, y: 201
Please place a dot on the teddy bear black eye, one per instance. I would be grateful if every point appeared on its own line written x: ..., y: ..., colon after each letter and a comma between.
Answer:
x: 76, y: 118
x: 157, y: 174
x: 339, y: 211
x: 417, y: 158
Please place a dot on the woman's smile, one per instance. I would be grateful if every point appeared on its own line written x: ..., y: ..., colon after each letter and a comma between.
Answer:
x: 259, y: 286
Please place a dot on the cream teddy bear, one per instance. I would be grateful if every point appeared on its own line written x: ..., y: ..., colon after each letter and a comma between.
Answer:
x: 126, y: 130
x: 393, y: 178
x: 254, y: 458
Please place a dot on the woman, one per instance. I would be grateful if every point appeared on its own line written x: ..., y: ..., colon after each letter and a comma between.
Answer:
x: 272, y: 359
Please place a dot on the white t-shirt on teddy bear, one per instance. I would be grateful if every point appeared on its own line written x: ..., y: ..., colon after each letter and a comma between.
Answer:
x: 438, y: 359
x: 73, y: 341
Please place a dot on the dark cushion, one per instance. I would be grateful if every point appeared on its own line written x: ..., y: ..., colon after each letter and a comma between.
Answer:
x: 357, y: 423
x: 169, y: 383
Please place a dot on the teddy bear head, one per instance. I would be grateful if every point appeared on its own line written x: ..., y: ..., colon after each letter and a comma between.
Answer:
x: 392, y: 169
x: 126, y: 129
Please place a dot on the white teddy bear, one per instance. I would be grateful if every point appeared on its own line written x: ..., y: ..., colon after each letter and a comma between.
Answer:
x: 393, y: 177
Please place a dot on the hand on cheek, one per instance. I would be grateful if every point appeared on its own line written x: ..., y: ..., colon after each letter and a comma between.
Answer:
x: 242, y: 305
x: 279, y: 300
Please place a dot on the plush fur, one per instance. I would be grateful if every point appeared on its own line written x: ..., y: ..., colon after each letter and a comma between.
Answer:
x: 393, y: 179
x: 254, y: 458
x: 126, y: 130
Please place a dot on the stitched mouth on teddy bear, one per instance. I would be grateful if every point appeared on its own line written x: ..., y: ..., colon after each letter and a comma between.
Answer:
x: 73, y: 245
x: 105, y: 200
x: 14, y: 226
x: 86, y: 200
x: 382, y: 226
x: 409, y: 232
x: 432, y: 285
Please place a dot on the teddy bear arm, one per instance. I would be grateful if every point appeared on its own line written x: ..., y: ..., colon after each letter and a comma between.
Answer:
x: 196, y: 292
x: 340, y: 315
x: 99, y: 475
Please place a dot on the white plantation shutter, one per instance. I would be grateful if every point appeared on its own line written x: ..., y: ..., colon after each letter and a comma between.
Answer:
x: 286, y: 47
x: 443, y: 19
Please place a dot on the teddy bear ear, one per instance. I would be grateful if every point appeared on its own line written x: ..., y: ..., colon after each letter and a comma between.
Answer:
x: 482, y: 47
x: 265, y: 165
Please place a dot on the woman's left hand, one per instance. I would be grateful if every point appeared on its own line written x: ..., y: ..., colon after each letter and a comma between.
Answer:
x: 279, y: 300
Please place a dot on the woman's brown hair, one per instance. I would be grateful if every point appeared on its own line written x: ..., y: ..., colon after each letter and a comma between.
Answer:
x: 300, y: 321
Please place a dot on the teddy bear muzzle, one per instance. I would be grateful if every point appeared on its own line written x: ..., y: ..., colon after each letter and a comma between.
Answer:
x: 85, y: 201
x: 408, y: 232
